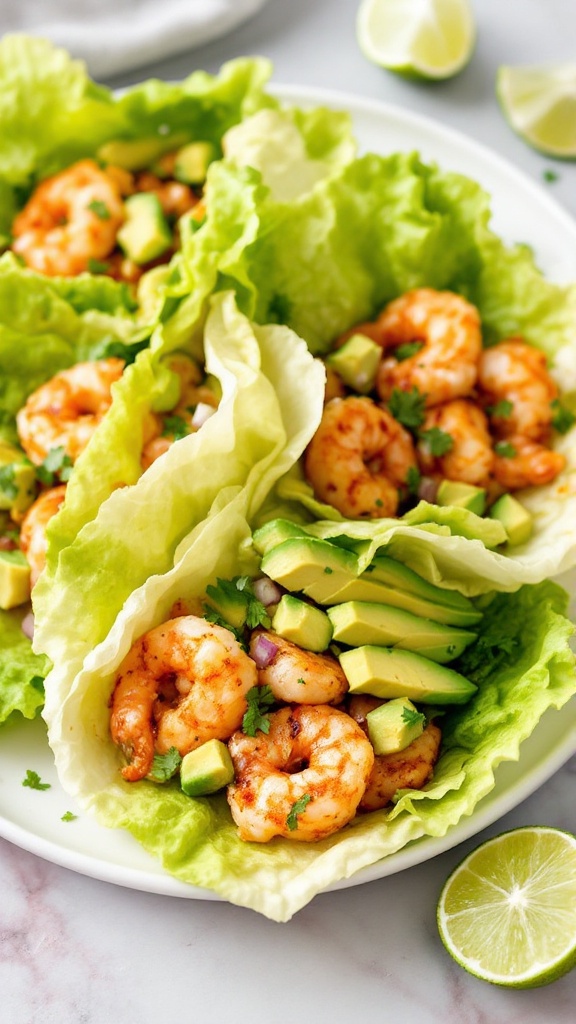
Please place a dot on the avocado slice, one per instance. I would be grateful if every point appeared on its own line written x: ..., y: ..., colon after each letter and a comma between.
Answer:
x: 137, y: 154
x: 366, y: 589
x: 206, y: 769
x: 453, y: 492
x: 14, y: 579
x: 192, y: 162
x: 357, y: 362
x: 515, y: 518
x: 17, y: 480
x: 395, y: 574
x: 389, y: 672
x: 311, y: 565
x: 302, y: 623
x: 394, y: 725
x: 275, y: 532
x: 145, y: 234
x: 364, y: 622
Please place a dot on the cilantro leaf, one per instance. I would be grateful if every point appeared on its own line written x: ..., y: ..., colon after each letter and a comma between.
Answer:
x: 164, y: 766
x: 97, y: 267
x: 33, y: 781
x: 100, y: 209
x: 259, y: 700
x: 236, y: 594
x: 56, y: 466
x: 550, y: 176
x: 408, y: 407
x: 505, y: 450
x: 68, y: 816
x: 413, y: 477
x: 562, y: 418
x: 297, y: 807
x: 176, y: 427
x: 7, y: 482
x: 502, y: 409
x: 411, y: 716
x: 437, y: 441
x: 409, y: 349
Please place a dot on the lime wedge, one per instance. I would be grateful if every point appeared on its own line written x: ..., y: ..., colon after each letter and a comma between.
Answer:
x: 417, y: 38
x: 540, y: 104
x: 507, y: 913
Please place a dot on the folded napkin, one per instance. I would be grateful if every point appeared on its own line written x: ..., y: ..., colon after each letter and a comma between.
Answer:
x: 113, y: 36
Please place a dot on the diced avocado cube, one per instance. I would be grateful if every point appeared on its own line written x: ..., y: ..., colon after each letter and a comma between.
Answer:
x: 363, y: 622
x: 14, y: 579
x: 137, y: 154
x: 302, y: 623
x: 515, y: 518
x: 275, y: 532
x: 462, y: 495
x: 206, y: 769
x: 17, y: 480
x: 145, y: 234
x: 357, y: 362
x: 388, y: 672
x: 394, y: 726
x: 192, y: 162
x: 230, y: 604
x: 311, y: 565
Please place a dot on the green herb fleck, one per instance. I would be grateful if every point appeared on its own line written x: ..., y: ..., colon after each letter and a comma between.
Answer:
x: 502, y: 409
x: 7, y: 482
x: 562, y: 418
x: 437, y: 441
x: 411, y: 348
x: 413, y: 477
x: 505, y: 450
x: 68, y: 816
x: 56, y: 466
x: 100, y: 209
x: 176, y: 427
x: 234, y: 591
x: 33, y: 781
x: 550, y: 176
x: 259, y: 700
x: 378, y: 502
x: 97, y: 267
x: 328, y: 571
x: 412, y: 717
x: 408, y: 407
x: 296, y: 809
x: 164, y: 766
x: 301, y: 681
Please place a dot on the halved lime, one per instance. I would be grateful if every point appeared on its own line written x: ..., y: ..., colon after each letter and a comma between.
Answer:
x: 417, y: 38
x: 539, y: 102
x: 507, y: 913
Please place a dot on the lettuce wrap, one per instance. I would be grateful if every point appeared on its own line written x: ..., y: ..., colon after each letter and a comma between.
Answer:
x: 340, y: 249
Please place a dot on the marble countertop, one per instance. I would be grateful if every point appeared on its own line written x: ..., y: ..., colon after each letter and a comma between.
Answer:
x: 75, y: 950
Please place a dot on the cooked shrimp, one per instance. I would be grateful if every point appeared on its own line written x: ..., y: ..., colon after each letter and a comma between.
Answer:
x: 193, y: 393
x: 303, y: 780
x: 410, y: 768
x: 174, y: 197
x: 359, y: 458
x: 65, y: 411
x: 298, y: 676
x: 528, y: 464
x: 516, y: 373
x: 470, y: 458
x: 70, y: 219
x: 181, y: 684
x: 448, y: 328
x: 33, y: 531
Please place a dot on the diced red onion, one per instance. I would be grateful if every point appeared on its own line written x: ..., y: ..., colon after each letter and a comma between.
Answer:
x: 27, y: 625
x: 202, y: 412
x: 428, y: 489
x: 7, y: 544
x: 263, y: 650
x: 267, y: 591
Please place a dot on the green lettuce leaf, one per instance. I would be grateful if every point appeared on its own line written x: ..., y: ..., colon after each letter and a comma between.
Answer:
x: 21, y: 671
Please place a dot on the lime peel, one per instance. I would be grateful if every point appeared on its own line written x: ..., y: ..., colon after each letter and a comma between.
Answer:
x: 539, y: 103
x: 507, y: 913
x: 426, y: 39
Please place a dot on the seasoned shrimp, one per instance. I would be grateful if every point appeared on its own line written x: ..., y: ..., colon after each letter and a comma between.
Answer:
x: 470, y: 458
x: 70, y: 219
x: 359, y: 458
x: 33, y: 531
x: 303, y: 780
x: 193, y: 394
x: 526, y: 464
x: 410, y: 768
x: 298, y: 676
x: 516, y: 374
x: 448, y: 328
x: 182, y: 683
x: 65, y: 411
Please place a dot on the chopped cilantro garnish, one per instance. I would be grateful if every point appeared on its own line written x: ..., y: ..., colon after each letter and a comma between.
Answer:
x: 502, y: 409
x: 7, y: 482
x: 236, y: 593
x: 176, y: 427
x: 411, y: 348
x: 550, y: 176
x: 211, y: 615
x: 297, y: 807
x: 97, y: 267
x: 33, y: 781
x: 437, y: 441
x: 100, y: 209
x: 408, y: 407
x: 562, y: 418
x: 378, y: 502
x: 68, y: 816
x: 413, y: 477
x: 164, y: 766
x: 505, y: 450
x: 259, y: 699
x: 56, y: 465
x: 301, y: 681
x: 328, y: 571
x: 411, y: 716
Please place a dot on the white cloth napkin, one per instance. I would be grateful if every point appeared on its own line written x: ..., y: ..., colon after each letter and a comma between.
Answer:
x: 113, y: 36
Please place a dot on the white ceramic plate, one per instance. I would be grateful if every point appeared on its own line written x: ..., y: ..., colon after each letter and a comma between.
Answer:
x: 33, y: 820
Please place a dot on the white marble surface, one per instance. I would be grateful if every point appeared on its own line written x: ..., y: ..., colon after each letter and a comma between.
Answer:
x: 74, y: 950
